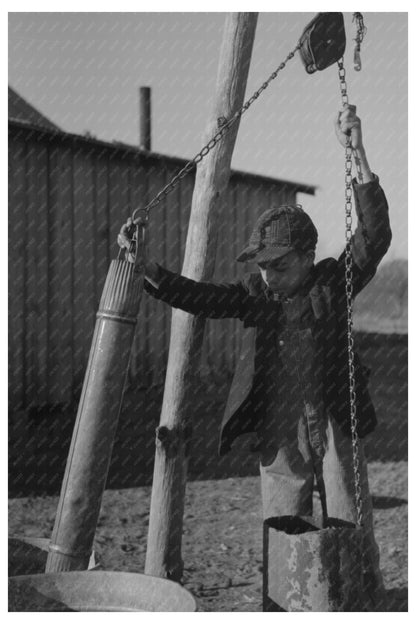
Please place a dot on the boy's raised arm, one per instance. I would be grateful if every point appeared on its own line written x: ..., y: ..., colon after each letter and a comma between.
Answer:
x: 372, y: 235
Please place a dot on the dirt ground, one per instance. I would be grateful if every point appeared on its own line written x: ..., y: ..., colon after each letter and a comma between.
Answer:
x: 222, y: 539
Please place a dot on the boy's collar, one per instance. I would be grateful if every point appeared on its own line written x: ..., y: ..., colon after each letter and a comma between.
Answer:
x: 303, y: 290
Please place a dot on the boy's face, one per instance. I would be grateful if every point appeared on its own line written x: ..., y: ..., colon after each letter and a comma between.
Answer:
x: 285, y: 275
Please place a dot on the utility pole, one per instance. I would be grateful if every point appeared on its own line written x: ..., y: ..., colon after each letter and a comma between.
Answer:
x: 163, y: 557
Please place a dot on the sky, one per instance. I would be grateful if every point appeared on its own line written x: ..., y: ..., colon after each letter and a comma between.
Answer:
x: 83, y: 71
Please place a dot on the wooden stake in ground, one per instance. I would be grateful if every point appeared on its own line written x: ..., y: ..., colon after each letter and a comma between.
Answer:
x: 163, y: 557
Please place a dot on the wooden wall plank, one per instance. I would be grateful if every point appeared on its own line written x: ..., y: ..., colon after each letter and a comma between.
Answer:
x: 83, y: 293
x: 42, y: 271
x: 236, y: 244
x: 17, y: 273
x: 31, y: 333
x: 55, y: 390
x: 65, y: 271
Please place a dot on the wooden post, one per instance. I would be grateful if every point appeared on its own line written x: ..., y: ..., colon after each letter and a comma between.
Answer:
x: 145, y: 118
x: 163, y: 557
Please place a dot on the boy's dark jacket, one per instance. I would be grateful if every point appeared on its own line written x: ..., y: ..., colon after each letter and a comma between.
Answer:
x: 248, y: 300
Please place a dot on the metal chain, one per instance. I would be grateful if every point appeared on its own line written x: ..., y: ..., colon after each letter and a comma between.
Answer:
x: 225, y: 126
x: 349, y: 295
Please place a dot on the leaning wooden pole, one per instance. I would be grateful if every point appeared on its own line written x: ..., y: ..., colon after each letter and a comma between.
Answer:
x: 163, y: 557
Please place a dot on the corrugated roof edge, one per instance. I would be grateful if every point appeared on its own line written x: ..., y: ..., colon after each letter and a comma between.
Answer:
x: 118, y: 146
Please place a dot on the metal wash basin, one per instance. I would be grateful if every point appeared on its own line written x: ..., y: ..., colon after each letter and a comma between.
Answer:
x: 97, y: 591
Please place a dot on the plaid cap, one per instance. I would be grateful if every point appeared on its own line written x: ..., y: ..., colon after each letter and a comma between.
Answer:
x: 278, y: 231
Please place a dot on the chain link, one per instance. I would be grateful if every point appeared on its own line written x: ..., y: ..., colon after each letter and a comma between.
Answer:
x: 349, y: 296
x: 225, y: 125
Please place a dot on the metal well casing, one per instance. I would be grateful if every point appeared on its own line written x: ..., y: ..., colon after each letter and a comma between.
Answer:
x: 97, y: 418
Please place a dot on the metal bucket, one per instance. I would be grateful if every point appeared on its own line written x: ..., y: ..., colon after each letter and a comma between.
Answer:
x: 28, y: 555
x: 97, y: 591
x: 308, y: 567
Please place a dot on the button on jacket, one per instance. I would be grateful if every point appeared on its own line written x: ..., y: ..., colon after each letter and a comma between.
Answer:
x: 297, y: 415
x: 248, y: 299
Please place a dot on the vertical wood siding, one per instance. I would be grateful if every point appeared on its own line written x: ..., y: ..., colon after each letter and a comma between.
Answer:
x: 67, y: 201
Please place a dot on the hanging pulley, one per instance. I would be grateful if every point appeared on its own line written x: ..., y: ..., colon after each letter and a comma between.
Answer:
x: 322, y: 42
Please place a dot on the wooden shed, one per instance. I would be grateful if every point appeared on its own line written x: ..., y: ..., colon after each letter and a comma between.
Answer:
x: 68, y: 196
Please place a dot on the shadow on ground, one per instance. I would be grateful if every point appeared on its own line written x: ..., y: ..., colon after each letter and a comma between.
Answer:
x: 388, y: 502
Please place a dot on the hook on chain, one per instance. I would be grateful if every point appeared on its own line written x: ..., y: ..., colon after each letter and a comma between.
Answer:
x: 361, y: 31
x: 136, y: 233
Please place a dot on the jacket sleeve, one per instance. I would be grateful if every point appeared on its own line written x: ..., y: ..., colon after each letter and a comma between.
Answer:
x: 372, y: 235
x: 205, y: 299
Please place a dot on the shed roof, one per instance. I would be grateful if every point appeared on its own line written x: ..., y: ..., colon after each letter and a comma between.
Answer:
x: 119, y: 149
x: 24, y: 115
x: 21, y: 110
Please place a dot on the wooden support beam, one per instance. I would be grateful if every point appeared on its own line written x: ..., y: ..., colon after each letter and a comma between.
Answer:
x: 163, y: 557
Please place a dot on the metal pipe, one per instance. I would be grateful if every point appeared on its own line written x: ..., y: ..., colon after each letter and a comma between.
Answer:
x: 145, y: 118
x: 92, y: 441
